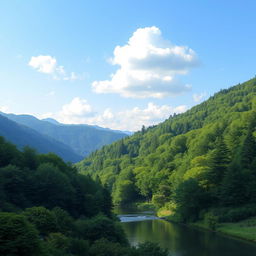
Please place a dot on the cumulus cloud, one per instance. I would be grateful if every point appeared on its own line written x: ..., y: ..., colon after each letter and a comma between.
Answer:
x: 149, y: 66
x: 79, y: 111
x: 44, y: 64
x: 76, y: 108
x: 48, y: 65
x: 197, y: 97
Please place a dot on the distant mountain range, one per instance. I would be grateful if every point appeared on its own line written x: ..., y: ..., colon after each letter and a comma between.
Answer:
x: 71, y: 142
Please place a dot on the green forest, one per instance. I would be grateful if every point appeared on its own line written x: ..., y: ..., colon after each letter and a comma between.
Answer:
x: 197, y: 165
x: 47, y: 208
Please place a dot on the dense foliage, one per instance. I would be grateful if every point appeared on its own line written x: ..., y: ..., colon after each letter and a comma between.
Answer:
x: 48, y: 209
x: 200, y: 161
x: 81, y: 139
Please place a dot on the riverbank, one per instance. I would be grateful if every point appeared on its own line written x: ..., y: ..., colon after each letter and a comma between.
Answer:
x: 245, y: 229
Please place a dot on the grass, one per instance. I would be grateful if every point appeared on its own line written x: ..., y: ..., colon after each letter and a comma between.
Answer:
x: 245, y: 229
x: 168, y: 215
x: 164, y: 213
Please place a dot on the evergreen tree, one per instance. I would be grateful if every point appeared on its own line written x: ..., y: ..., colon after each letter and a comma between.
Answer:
x: 219, y: 160
x: 248, y: 150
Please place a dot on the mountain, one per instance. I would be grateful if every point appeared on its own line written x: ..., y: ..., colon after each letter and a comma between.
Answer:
x: 22, y: 136
x: 201, y: 161
x: 82, y: 139
x: 51, y: 120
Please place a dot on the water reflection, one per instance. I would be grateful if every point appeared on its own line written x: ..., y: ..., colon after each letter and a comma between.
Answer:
x: 184, y: 241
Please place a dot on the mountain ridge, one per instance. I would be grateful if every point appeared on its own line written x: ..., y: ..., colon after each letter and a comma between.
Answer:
x: 23, y: 136
x: 82, y: 139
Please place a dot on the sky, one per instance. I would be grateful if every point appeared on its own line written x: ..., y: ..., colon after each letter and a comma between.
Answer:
x: 121, y: 64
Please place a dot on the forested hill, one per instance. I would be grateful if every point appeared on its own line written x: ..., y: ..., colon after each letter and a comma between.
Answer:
x: 199, y: 160
x: 82, y: 139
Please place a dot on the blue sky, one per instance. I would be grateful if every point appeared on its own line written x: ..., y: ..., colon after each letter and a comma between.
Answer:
x: 61, y: 59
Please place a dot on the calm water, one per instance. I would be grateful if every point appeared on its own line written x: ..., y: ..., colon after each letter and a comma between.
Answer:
x: 181, y: 240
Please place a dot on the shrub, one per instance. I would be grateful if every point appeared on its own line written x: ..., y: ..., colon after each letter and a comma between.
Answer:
x: 211, y: 220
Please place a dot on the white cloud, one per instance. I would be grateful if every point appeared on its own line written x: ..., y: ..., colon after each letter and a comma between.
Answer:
x: 72, y: 76
x: 43, y: 63
x: 79, y: 111
x: 48, y: 65
x: 149, y: 66
x: 197, y: 97
x: 3, y: 109
x: 76, y: 108
x: 133, y: 119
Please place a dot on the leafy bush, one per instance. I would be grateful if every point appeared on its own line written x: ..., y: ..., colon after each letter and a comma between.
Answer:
x: 211, y: 220
x: 99, y: 227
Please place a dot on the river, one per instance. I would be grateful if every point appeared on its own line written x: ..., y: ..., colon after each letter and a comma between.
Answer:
x: 181, y: 240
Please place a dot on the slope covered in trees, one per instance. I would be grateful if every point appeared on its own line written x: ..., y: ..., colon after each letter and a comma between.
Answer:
x: 200, y: 161
x: 22, y: 136
x: 82, y: 139
x: 48, y: 209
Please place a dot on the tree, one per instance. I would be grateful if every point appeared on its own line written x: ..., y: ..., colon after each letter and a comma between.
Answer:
x: 30, y: 158
x: 58, y: 241
x: 42, y: 218
x: 63, y: 221
x: 248, y: 150
x: 234, y: 190
x: 124, y: 192
x: 15, y: 186
x: 99, y: 227
x: 78, y: 247
x: 218, y: 163
x: 190, y: 199
x: 18, y: 236
x: 103, y: 247
x: 53, y: 187
x: 151, y: 249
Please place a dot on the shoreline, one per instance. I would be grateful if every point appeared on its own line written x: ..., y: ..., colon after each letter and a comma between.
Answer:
x: 233, y: 230
x: 244, y: 230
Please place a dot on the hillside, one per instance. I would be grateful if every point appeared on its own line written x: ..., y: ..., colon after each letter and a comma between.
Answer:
x: 199, y: 161
x: 82, y: 139
x: 47, y: 208
x: 23, y: 136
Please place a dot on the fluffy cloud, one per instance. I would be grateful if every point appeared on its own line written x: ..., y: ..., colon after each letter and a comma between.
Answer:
x: 74, y: 110
x: 79, y: 111
x: 149, y: 66
x: 48, y: 65
x: 197, y: 97
x: 133, y: 119
x: 44, y: 64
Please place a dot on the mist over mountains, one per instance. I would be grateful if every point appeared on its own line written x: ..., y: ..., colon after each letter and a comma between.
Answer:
x: 71, y: 142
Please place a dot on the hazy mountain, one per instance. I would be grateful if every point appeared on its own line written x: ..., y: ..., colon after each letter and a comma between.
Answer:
x: 22, y: 135
x: 83, y: 139
x: 51, y: 120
